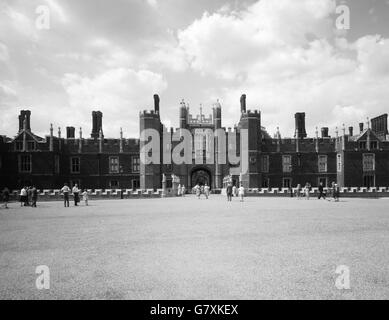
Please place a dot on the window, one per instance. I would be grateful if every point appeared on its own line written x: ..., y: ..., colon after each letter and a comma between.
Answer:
x: 368, y: 162
x: 362, y: 144
x: 30, y: 145
x: 265, y: 164
x: 75, y: 165
x: 287, y: 163
x: 286, y: 182
x: 135, y: 184
x: 114, y: 184
x: 135, y: 164
x: 322, y: 163
x: 339, y: 162
x: 114, y: 164
x: 25, y: 163
x: 373, y: 145
x: 19, y: 145
x: 56, y: 164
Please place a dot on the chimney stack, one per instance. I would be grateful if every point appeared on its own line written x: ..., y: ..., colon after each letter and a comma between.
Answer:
x: 243, y: 103
x: 350, y: 131
x: 156, y: 103
x: 70, y: 131
x: 24, y: 115
x: 97, y: 124
x: 361, y: 127
x: 324, y: 132
x: 300, y: 132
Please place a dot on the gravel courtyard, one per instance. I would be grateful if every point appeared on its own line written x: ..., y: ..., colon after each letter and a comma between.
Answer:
x: 185, y: 248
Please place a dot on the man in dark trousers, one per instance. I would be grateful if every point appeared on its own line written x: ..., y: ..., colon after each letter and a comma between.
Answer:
x: 65, y: 190
x: 6, y: 197
x: 229, y: 192
x: 321, y: 191
x: 34, y: 196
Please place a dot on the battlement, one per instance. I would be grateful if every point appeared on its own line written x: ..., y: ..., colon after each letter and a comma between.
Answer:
x: 252, y: 113
x: 148, y: 113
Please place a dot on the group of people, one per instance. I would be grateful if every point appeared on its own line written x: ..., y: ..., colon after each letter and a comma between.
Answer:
x: 28, y: 196
x: 181, y: 190
x: 333, y: 191
x: 233, y: 191
x: 75, y: 191
x: 204, y: 189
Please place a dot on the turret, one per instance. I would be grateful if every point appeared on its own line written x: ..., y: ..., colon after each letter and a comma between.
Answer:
x: 243, y: 103
x: 183, y: 114
x: 217, y: 115
x: 24, y: 115
x: 156, y: 103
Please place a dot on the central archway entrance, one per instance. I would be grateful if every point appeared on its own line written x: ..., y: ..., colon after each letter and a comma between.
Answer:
x: 201, y: 176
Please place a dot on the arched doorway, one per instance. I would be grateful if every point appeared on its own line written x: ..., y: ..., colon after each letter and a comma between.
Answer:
x: 201, y: 176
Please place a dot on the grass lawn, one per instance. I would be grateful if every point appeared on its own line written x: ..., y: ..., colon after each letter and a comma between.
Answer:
x: 185, y: 248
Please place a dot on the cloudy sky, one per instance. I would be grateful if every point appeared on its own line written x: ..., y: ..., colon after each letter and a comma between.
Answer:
x: 286, y: 55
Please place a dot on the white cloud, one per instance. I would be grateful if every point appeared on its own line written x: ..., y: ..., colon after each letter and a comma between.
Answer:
x: 118, y: 93
x: 287, y: 57
x: 4, y: 54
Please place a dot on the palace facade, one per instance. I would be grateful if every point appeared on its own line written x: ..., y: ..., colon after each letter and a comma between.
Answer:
x: 352, y: 159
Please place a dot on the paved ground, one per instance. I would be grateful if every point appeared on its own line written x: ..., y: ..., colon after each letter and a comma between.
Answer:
x: 184, y: 248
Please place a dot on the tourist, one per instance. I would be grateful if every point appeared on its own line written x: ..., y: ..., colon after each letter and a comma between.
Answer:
x: 206, y: 191
x: 5, y: 194
x: 183, y: 190
x: 179, y: 190
x: 229, y: 192
x: 321, y: 191
x: 23, y: 196
x: 85, y: 196
x: 241, y: 192
x: 76, y: 193
x: 65, y: 190
x: 332, y: 191
x: 306, y: 191
x: 336, y: 193
x: 298, y: 191
x: 34, y: 196
x: 234, y: 191
x: 198, y: 191
x: 29, y: 195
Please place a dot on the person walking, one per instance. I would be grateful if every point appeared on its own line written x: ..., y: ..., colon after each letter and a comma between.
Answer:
x: 5, y: 194
x: 241, y: 192
x: 183, y: 190
x: 29, y: 196
x: 321, y: 191
x: 85, y: 196
x: 65, y: 190
x: 179, y: 190
x: 206, y: 191
x: 34, y: 196
x: 229, y: 192
x: 76, y: 193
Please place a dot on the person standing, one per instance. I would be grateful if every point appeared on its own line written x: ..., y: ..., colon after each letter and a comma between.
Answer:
x: 198, y: 191
x: 183, y: 190
x: 241, y: 192
x: 34, y: 196
x: 179, y: 190
x: 234, y: 191
x: 206, y: 191
x: 5, y: 197
x: 336, y: 193
x: 306, y: 191
x: 29, y: 196
x: 23, y: 196
x: 85, y: 196
x: 229, y: 192
x: 321, y: 191
x: 298, y: 191
x: 65, y: 190
x: 76, y: 193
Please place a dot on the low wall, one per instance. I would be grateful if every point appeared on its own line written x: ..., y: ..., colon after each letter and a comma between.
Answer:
x: 355, y: 192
